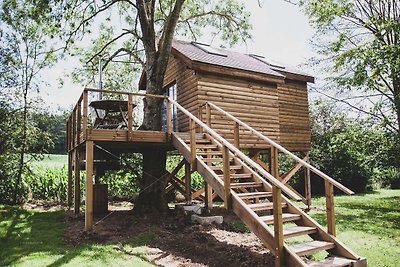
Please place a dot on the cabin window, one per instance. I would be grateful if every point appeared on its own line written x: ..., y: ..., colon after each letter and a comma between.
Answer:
x: 171, y: 92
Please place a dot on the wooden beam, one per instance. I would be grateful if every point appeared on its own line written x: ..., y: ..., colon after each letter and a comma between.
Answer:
x: 278, y: 226
x: 77, y: 181
x: 69, y: 186
x: 227, y: 178
x: 330, y: 208
x: 89, y: 187
x: 198, y: 193
x: 168, y: 107
x: 208, y: 115
x: 175, y: 171
x: 291, y: 172
x: 188, y: 183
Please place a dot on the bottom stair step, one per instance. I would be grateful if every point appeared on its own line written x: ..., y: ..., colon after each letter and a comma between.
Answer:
x: 310, y: 247
x: 298, y: 230
x: 332, y: 261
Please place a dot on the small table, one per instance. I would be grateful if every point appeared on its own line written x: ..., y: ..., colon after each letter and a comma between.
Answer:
x: 115, y: 114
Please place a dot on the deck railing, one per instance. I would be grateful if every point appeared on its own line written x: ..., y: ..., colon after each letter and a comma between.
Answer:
x: 329, y: 182
x: 78, y: 122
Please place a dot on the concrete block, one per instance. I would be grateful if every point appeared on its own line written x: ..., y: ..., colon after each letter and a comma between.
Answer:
x: 189, y: 209
x: 207, y: 220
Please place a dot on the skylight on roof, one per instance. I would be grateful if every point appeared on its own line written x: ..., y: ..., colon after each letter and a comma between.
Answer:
x: 268, y: 62
x: 209, y: 49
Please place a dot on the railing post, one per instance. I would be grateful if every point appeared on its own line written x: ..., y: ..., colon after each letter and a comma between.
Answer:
x: 307, y: 182
x: 278, y: 226
x: 274, y: 168
x: 236, y: 140
x: 200, y: 118
x: 130, y: 111
x: 168, y: 107
x: 330, y: 208
x: 78, y: 122
x: 85, y: 114
x: 192, y: 129
x: 89, y: 187
x: 227, y: 178
x: 74, y: 124
x: 208, y: 115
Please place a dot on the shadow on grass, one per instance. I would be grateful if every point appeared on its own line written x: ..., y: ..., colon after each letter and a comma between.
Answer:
x: 377, y: 216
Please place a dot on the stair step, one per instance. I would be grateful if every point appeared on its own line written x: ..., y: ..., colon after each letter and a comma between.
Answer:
x: 298, y: 230
x: 286, y: 217
x: 231, y: 167
x: 202, y: 146
x: 254, y: 195
x: 263, y: 206
x: 198, y: 141
x: 332, y: 261
x: 215, y: 159
x: 246, y: 185
x: 310, y: 247
x: 209, y: 153
x: 241, y: 176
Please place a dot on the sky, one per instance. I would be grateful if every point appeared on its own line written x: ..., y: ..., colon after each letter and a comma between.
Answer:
x: 280, y: 32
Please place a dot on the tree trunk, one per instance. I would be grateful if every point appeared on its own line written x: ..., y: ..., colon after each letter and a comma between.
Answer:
x: 396, y: 87
x: 152, y: 185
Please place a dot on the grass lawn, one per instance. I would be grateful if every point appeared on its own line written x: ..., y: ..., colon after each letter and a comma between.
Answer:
x: 35, y: 238
x: 52, y: 160
x: 369, y: 224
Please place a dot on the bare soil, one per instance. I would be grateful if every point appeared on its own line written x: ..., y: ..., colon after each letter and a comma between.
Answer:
x: 171, y: 239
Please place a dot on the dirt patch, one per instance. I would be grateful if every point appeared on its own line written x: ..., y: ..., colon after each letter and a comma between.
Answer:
x: 172, y: 240
x: 44, y: 205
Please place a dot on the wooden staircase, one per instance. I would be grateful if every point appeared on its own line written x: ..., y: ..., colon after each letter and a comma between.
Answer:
x: 251, y: 198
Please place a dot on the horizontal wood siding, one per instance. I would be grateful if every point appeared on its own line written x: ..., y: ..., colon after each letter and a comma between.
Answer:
x: 254, y: 103
x: 294, y: 117
x: 186, y: 83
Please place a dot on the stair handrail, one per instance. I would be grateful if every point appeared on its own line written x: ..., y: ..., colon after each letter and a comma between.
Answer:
x: 284, y: 150
x: 239, y: 154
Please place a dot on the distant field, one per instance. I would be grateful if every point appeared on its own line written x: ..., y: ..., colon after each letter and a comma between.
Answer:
x: 52, y: 160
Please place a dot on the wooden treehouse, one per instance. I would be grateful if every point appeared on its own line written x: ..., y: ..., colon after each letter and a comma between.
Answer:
x: 224, y: 112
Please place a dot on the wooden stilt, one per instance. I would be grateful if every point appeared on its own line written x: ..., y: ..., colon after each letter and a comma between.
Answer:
x: 274, y: 162
x: 227, y: 178
x: 208, y: 196
x: 69, y: 189
x: 188, y: 183
x: 89, y: 187
x: 77, y: 181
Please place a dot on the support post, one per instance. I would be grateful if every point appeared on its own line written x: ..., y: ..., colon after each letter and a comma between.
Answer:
x: 227, y: 178
x: 130, y: 111
x: 89, y: 187
x: 69, y: 189
x: 192, y: 129
x: 188, y: 183
x: 236, y: 140
x: 78, y: 122
x: 85, y: 114
x: 208, y: 196
x: 278, y: 226
x: 274, y: 162
x: 330, y: 208
x: 77, y: 181
x: 307, y: 182
x: 168, y: 107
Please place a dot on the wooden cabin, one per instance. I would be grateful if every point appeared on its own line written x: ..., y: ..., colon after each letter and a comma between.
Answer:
x: 270, y: 97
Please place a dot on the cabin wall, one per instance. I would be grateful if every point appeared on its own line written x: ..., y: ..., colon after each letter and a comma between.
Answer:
x: 252, y: 102
x: 186, y: 83
x: 294, y: 117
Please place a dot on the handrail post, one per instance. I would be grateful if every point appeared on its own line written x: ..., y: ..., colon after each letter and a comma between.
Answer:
x: 192, y: 129
x: 208, y: 115
x: 274, y: 168
x: 227, y: 178
x: 278, y: 225
x: 330, y: 208
x: 130, y: 111
x: 78, y: 122
x: 85, y: 114
x: 236, y: 141
x: 168, y: 113
x: 201, y: 118
x: 307, y: 182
